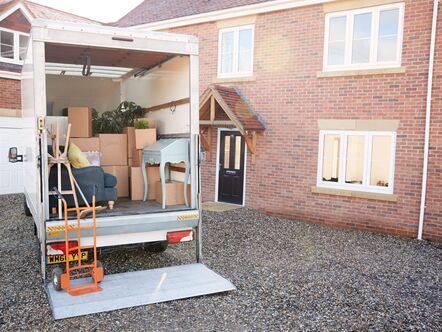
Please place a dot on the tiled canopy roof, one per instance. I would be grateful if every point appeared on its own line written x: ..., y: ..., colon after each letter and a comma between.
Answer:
x: 40, y: 11
x: 159, y: 10
x: 236, y: 107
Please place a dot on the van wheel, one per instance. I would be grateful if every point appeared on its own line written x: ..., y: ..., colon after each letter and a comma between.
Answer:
x: 26, y: 209
x: 56, y: 278
x: 157, y: 247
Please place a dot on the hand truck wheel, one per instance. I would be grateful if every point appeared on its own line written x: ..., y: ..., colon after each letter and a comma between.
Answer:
x: 56, y: 278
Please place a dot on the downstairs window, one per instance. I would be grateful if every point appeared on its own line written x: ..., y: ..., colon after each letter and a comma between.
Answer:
x: 357, y: 160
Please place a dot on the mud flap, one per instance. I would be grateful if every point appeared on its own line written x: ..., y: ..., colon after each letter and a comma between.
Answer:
x: 138, y: 288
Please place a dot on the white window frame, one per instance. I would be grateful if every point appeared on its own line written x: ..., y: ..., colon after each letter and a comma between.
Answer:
x: 235, y: 30
x: 373, y: 63
x: 16, y: 59
x: 365, y: 186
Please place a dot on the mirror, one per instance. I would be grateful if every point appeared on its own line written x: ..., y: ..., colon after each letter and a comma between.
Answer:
x: 14, y: 156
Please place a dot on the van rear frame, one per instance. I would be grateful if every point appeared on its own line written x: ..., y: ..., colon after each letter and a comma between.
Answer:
x: 111, y: 230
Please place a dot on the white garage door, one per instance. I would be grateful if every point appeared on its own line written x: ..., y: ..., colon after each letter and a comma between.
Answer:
x: 11, y: 174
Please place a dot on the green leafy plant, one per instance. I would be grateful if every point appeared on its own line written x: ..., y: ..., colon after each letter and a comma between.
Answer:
x: 141, y: 124
x: 113, y: 122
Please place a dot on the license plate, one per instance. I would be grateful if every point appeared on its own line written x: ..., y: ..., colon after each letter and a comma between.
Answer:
x: 56, y: 259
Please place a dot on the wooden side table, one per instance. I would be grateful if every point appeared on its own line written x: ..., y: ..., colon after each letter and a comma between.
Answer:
x: 162, y: 152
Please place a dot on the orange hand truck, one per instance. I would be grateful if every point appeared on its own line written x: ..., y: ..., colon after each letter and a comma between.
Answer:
x: 62, y: 279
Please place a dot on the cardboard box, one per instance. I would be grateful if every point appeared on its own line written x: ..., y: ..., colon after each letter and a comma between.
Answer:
x: 87, y: 144
x: 113, y: 149
x: 152, y: 123
x: 130, y: 132
x: 171, y: 195
x: 130, y: 162
x: 122, y: 174
x: 145, y: 137
x: 80, y: 119
x: 174, y: 193
x: 180, y: 193
x: 137, y: 182
x: 137, y: 156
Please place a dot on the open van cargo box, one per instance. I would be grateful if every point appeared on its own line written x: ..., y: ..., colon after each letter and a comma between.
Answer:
x: 126, y: 57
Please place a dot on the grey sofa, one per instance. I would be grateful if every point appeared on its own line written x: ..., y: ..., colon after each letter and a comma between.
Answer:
x: 87, y: 178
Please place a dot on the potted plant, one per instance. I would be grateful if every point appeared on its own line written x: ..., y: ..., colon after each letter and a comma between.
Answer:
x: 144, y: 136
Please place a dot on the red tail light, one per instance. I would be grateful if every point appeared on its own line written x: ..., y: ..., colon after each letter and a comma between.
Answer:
x: 56, y: 248
x: 178, y: 237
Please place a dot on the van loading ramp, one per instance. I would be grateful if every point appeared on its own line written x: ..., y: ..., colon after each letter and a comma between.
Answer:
x: 131, y: 289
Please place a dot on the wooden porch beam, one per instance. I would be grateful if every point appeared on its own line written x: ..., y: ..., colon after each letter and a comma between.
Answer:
x: 251, y: 145
x: 216, y: 123
x: 212, y: 109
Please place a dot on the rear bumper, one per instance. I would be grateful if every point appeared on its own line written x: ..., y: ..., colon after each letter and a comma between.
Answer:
x: 130, y: 229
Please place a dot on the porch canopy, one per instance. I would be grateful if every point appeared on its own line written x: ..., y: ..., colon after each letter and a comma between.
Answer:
x: 222, y: 106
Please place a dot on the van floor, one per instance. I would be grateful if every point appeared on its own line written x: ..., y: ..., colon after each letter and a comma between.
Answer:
x: 125, y: 206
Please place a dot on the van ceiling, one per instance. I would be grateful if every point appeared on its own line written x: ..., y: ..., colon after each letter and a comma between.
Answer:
x: 68, y: 54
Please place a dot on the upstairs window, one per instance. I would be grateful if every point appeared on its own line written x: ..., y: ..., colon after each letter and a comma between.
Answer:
x: 13, y: 46
x: 357, y: 160
x: 235, y: 51
x: 364, y: 38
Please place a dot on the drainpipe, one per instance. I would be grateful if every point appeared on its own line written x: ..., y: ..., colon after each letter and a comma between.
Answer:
x: 427, y: 120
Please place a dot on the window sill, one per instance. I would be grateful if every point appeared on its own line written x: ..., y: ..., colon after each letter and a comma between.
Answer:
x: 361, y: 72
x: 234, y: 79
x: 353, y: 193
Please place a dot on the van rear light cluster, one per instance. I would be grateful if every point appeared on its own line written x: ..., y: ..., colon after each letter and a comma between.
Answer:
x: 178, y: 237
x: 59, y: 248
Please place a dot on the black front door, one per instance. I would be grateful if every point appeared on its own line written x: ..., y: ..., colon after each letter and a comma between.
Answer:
x: 231, y: 168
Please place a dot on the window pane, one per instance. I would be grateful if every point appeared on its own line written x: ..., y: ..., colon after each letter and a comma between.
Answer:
x: 336, y: 41
x: 388, y: 22
x: 227, y: 52
x: 361, y: 38
x: 227, y: 152
x: 380, y: 161
x: 23, y: 46
x: 388, y: 35
x: 238, y: 152
x: 355, y: 159
x: 330, y: 162
x: 245, y: 50
x: 7, y: 44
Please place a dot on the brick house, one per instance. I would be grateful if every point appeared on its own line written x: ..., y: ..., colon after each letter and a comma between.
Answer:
x: 315, y: 109
x: 341, y: 87
x: 15, y: 18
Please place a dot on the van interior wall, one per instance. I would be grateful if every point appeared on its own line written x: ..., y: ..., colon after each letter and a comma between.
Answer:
x: 102, y: 94
x: 165, y: 84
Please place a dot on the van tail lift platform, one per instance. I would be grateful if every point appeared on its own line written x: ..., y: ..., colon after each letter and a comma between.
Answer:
x: 138, y: 288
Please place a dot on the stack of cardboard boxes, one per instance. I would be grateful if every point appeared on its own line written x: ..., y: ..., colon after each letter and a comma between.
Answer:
x: 112, y: 147
x: 121, y: 155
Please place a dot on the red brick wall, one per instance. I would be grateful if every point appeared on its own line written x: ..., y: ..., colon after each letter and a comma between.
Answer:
x: 433, y: 217
x: 10, y: 93
x: 290, y: 97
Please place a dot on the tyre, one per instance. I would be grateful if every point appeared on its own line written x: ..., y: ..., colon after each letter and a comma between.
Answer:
x: 157, y: 247
x: 56, y: 278
x: 26, y: 209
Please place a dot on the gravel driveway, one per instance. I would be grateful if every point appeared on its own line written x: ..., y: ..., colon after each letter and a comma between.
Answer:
x: 289, y: 275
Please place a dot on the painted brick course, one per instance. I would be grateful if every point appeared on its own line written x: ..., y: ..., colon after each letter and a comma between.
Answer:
x: 291, y: 98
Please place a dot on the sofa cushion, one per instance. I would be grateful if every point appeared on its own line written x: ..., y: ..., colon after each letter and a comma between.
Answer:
x: 110, y: 181
x: 76, y: 157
